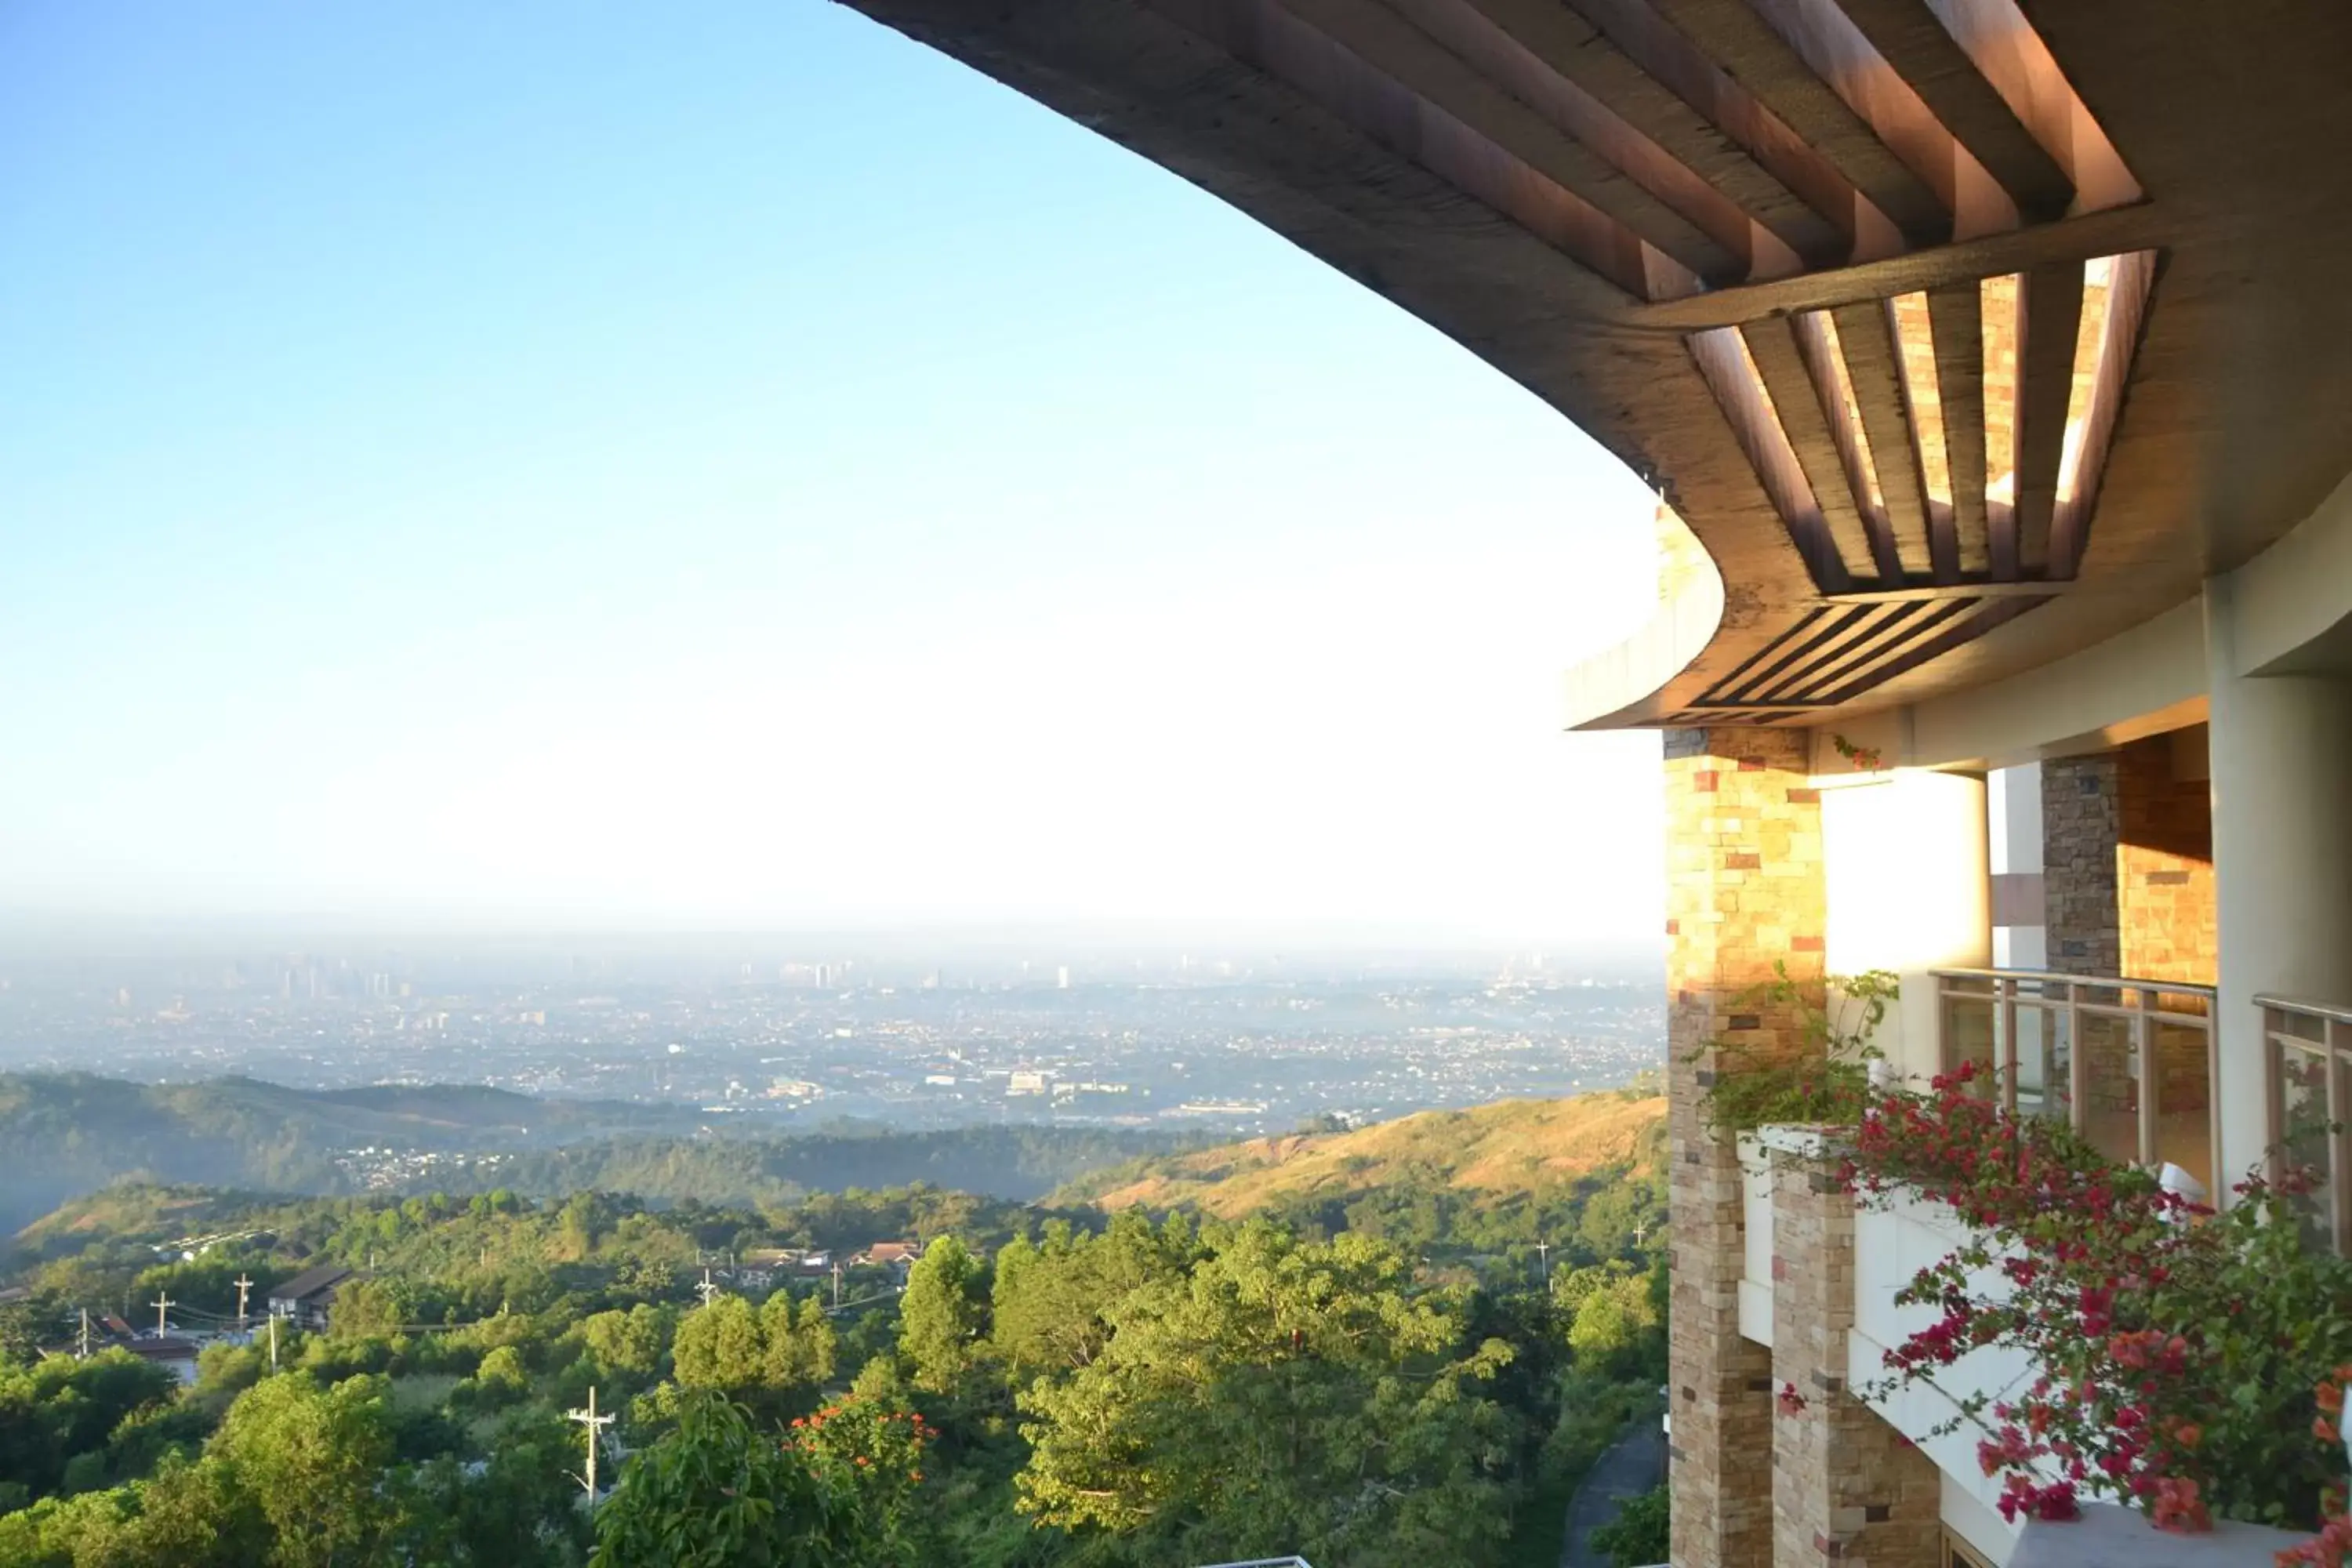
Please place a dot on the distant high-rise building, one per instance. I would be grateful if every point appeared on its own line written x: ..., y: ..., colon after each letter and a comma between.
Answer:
x: 1062, y: 978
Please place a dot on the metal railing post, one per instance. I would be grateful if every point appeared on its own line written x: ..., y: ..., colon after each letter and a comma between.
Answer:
x: 2274, y: 1095
x: 2005, y: 1045
x: 2078, y: 1061
x: 2339, y: 1170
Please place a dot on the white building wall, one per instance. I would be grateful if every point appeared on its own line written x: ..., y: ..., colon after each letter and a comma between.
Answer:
x: 1906, y: 865
x: 2013, y: 801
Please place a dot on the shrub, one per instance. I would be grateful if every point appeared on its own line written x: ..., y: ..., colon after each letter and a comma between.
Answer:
x: 1638, y: 1536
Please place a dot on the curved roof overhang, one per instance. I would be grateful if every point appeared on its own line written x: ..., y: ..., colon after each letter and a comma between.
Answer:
x: 1963, y: 334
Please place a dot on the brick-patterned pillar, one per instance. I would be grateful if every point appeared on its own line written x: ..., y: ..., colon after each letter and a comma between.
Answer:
x: 2081, y: 826
x: 1744, y: 889
x: 1847, y: 1489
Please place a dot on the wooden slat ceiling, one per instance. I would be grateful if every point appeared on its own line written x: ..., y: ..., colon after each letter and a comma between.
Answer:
x: 1860, y: 284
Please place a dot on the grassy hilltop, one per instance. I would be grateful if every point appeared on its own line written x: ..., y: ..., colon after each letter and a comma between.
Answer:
x: 1515, y: 1150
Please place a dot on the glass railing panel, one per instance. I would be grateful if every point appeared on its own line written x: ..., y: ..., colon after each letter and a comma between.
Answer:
x: 1969, y: 1035
x: 2184, y: 1099
x: 2301, y: 1026
x: 2045, y: 1057
x: 2306, y: 1143
x: 2109, y: 1115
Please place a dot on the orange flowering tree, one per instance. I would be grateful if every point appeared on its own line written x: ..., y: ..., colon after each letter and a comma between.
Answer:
x: 873, y: 1452
x: 2178, y: 1350
x: 2332, y: 1547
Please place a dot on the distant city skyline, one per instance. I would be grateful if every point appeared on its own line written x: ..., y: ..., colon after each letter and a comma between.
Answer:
x: 530, y: 469
x: 770, y: 1032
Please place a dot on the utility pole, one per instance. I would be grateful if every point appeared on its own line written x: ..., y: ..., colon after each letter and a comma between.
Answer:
x: 836, y: 1286
x: 81, y: 1351
x: 1641, y: 1232
x: 707, y: 1290
x: 162, y: 1305
x: 591, y: 1421
x: 1543, y: 1250
x: 273, y: 1342
x: 243, y: 1285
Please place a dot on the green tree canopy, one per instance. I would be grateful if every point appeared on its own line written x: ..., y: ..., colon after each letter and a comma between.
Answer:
x: 1282, y: 1396
x: 719, y: 1347
x: 718, y: 1492
x: 313, y: 1460
x: 59, y: 1408
x: 630, y: 1343
x: 800, y: 1342
x: 1050, y: 1296
x: 942, y: 1318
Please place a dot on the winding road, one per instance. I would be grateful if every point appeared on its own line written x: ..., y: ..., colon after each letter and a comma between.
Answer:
x: 1632, y: 1465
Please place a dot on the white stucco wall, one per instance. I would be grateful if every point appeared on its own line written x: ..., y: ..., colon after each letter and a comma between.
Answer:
x: 1892, y: 1243
x: 1908, y: 878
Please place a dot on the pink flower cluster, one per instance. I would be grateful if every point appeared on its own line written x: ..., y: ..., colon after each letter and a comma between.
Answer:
x: 2095, y: 1256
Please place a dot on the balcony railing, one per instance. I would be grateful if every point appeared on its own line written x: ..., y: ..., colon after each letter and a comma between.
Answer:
x: 2128, y: 1063
x: 2308, y: 1068
x: 1267, y: 1562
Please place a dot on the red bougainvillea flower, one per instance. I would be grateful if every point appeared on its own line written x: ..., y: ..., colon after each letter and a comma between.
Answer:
x: 2140, y: 1322
x: 2178, y: 1506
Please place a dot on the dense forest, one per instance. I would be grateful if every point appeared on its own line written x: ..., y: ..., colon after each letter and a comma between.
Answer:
x: 64, y: 1134
x: 1397, y: 1378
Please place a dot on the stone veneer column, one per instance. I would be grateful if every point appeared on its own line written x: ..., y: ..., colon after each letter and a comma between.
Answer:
x: 1847, y: 1487
x: 1744, y: 889
x: 2128, y: 864
x: 2080, y: 826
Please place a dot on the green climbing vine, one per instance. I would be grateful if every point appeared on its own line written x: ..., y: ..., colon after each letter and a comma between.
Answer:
x: 1827, y: 1078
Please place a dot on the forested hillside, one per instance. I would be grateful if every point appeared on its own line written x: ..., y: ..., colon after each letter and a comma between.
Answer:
x: 1044, y: 1389
x: 1007, y: 1162
x: 66, y: 1134
x: 69, y: 1133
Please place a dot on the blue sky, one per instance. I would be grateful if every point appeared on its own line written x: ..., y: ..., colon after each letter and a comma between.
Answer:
x: 603, y: 465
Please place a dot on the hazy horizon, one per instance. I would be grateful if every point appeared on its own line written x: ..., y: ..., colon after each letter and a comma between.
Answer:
x: 24, y: 936
x: 533, y: 470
